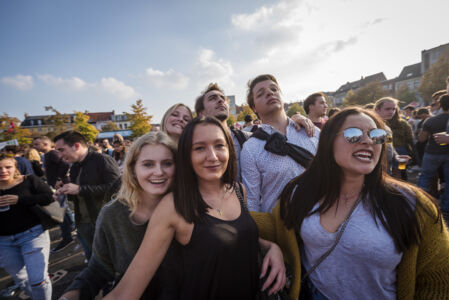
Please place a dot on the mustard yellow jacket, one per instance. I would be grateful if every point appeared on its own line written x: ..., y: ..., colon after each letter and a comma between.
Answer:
x: 423, y: 272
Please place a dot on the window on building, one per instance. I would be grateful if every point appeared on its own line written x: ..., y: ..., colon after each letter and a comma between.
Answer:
x: 126, y: 125
x: 121, y: 126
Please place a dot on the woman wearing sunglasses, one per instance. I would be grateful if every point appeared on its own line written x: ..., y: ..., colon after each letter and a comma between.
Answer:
x: 361, y: 234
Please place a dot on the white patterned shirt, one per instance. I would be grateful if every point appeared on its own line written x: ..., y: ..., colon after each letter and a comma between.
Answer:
x: 265, y: 174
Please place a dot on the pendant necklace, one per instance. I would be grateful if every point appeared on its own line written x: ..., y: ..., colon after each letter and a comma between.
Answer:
x: 219, y: 210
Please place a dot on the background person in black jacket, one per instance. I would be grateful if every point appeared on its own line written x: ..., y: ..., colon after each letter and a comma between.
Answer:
x: 94, y: 177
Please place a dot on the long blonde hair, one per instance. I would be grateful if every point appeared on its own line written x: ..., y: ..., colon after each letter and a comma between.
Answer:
x: 168, y: 113
x: 32, y: 155
x: 129, y: 193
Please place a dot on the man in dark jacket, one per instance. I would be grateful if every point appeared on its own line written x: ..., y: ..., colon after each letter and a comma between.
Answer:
x: 94, y: 178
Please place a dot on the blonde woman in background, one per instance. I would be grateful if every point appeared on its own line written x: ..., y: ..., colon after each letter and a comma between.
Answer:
x: 35, y: 159
x: 175, y: 119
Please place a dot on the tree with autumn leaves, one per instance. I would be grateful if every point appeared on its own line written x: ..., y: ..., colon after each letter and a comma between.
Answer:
x: 10, y: 130
x: 140, y: 120
x: 82, y: 126
x: 434, y: 79
x: 370, y: 93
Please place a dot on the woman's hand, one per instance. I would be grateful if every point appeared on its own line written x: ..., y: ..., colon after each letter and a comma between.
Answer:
x: 6, y: 200
x: 303, y: 122
x: 70, y: 295
x: 275, y: 261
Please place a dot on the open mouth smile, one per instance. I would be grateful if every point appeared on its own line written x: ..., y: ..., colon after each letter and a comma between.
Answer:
x: 363, y: 155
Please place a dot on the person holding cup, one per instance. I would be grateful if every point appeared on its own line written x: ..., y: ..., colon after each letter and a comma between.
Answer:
x: 24, y: 242
x: 436, y: 153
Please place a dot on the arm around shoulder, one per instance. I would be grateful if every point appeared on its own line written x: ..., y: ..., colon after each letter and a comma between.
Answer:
x: 159, y: 234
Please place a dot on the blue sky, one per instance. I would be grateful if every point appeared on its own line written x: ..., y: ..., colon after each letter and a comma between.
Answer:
x: 102, y: 55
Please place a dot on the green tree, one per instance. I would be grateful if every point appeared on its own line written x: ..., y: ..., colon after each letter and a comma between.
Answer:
x: 6, y: 133
x: 434, y: 78
x: 370, y: 93
x: 140, y: 120
x: 405, y: 95
x: 59, y: 121
x: 246, y: 110
x: 231, y: 120
x: 295, y: 108
x: 110, y: 126
x: 82, y: 126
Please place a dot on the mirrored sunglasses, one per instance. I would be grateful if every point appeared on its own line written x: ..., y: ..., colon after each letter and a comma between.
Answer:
x: 354, y: 135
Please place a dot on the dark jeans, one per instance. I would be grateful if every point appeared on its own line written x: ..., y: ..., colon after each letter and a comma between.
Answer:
x: 86, y: 233
x: 67, y: 227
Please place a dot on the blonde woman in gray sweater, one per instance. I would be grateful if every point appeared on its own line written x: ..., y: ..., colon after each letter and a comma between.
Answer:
x: 148, y: 172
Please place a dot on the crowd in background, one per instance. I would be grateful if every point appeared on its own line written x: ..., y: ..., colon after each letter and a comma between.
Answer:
x: 148, y: 212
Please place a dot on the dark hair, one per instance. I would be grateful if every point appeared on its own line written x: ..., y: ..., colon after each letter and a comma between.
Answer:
x: 380, y: 191
x: 14, y: 149
x: 423, y: 110
x: 119, y: 154
x: 248, y: 118
x: 199, y: 102
x: 187, y: 198
x: 71, y: 137
x: 444, y: 102
x: 332, y: 111
x: 310, y: 100
x: 369, y: 106
x: 252, y: 84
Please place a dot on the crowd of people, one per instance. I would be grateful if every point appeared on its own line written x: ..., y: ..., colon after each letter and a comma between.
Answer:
x: 307, y: 207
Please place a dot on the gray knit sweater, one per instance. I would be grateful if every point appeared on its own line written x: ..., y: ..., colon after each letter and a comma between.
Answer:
x: 115, y: 244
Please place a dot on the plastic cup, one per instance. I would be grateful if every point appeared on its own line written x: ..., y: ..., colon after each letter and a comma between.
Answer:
x: 402, y: 163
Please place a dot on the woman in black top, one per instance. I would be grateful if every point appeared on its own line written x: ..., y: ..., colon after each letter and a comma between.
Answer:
x: 23, y: 240
x: 218, y: 240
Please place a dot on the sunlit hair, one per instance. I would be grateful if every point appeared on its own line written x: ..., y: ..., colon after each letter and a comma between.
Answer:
x: 4, y: 156
x: 199, y: 102
x: 32, y: 155
x: 130, y: 190
x: 188, y: 201
x: 310, y: 100
x: 380, y: 191
x: 379, y: 103
x: 169, y: 112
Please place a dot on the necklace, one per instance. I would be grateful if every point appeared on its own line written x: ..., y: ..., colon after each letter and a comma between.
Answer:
x: 218, y: 209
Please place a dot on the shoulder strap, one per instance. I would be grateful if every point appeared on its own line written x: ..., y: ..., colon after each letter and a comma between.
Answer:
x: 238, y: 190
x: 241, y: 137
x: 337, y: 240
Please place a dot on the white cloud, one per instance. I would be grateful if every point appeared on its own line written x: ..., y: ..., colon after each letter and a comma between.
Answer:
x: 115, y: 87
x: 213, y: 69
x: 20, y: 82
x: 170, y: 79
x: 269, y: 28
x: 74, y: 83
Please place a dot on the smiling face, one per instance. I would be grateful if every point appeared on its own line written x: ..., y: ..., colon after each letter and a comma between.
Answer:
x: 359, y: 158
x: 7, y: 170
x: 155, y: 169
x: 267, y: 98
x: 210, y: 152
x: 177, y: 120
x: 387, y: 110
x: 215, y: 105
x: 68, y: 153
